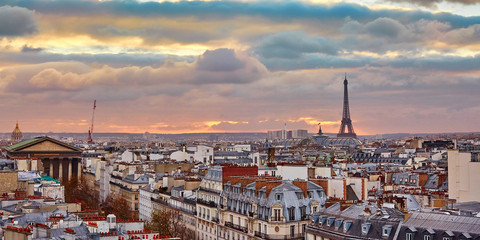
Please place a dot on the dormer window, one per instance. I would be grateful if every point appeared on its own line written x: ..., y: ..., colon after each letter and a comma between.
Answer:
x: 338, y: 223
x: 278, y: 197
x: 299, y: 195
x: 347, y: 225
x: 409, y: 236
x: 365, y: 228
x: 330, y: 221
x: 323, y: 219
x: 386, y: 230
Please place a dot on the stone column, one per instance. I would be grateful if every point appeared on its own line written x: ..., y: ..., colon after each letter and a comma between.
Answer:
x: 60, y: 169
x: 69, y: 176
x: 50, y: 169
x: 79, y: 168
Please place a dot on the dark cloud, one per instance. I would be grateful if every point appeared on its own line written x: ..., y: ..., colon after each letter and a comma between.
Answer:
x: 315, y: 61
x: 385, y: 27
x: 433, y: 3
x: 294, y: 44
x: 279, y: 12
x: 17, y: 21
x: 27, y: 48
x: 136, y: 58
x: 156, y: 34
x: 219, y: 60
x: 427, y: 64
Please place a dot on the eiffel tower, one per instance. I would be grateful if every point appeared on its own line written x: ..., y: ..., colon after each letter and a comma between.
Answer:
x: 346, y: 129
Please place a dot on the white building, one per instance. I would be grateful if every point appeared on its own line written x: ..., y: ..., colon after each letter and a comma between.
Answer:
x: 463, y: 177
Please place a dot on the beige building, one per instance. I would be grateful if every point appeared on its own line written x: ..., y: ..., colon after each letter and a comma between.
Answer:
x: 463, y: 177
x: 128, y: 188
x: 9, y: 181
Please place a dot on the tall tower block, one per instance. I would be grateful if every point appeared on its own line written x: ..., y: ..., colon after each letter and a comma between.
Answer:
x: 346, y: 128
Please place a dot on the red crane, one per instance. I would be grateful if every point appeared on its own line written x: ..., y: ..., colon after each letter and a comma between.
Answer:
x: 90, y: 131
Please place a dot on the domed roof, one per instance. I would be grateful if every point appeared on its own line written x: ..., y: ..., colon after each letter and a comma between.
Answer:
x: 16, y: 130
x: 17, y: 134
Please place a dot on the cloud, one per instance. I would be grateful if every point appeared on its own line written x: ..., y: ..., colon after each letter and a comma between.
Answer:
x: 27, y: 48
x: 215, y: 10
x: 220, y: 66
x: 293, y: 44
x: 17, y: 21
x: 33, y: 55
x: 433, y: 3
x: 219, y: 60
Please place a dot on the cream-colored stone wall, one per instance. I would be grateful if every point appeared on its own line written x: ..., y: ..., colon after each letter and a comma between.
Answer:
x: 9, y: 181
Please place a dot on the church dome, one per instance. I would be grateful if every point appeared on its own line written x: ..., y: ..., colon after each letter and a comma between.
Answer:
x: 17, y: 135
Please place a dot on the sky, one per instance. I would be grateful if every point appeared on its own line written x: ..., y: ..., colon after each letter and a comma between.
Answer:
x: 239, y: 66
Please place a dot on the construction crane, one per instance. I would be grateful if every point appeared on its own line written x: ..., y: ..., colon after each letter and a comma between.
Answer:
x: 90, y: 131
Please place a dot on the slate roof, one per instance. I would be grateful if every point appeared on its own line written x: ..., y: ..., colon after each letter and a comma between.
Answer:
x: 81, y: 232
x: 348, y: 223
x: 444, y: 222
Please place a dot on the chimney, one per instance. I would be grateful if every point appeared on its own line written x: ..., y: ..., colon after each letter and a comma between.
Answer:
x: 302, y: 184
x: 271, y: 155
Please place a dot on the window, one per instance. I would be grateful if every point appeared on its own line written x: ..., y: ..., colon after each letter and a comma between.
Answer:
x: 291, y: 212
x: 292, y: 231
x: 278, y: 197
x: 365, y: 228
x: 338, y: 223
x: 427, y: 237
x: 446, y: 238
x: 314, y: 209
x: 330, y: 221
x: 259, y: 227
x: 299, y: 195
x: 409, y: 236
x: 276, y: 216
x: 347, y: 225
x: 386, y: 230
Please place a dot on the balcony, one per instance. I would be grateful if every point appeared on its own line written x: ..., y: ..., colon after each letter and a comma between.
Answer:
x: 277, y: 219
x: 261, y: 235
x: 207, y: 203
x: 236, y: 227
x: 209, y: 190
x: 297, y: 236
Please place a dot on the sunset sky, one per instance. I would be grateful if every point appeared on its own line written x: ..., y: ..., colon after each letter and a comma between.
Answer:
x: 239, y: 66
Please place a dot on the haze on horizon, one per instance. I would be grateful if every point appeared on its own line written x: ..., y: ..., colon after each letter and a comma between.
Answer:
x: 239, y: 66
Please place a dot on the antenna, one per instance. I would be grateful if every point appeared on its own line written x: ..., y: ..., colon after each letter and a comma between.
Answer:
x: 90, y: 131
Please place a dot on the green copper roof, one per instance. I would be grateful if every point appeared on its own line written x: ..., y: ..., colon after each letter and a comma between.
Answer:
x: 48, y: 178
x: 20, y: 144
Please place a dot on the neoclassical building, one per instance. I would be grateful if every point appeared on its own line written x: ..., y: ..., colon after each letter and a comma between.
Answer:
x: 57, y: 159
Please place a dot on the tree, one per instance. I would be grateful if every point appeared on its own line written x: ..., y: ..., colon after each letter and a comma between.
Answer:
x: 76, y: 192
x: 117, y: 205
x: 170, y: 222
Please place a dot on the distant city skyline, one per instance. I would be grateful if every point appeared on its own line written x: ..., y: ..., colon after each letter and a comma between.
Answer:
x: 239, y: 66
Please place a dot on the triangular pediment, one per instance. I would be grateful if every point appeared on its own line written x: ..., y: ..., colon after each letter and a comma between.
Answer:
x: 43, y: 144
x: 46, y: 146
